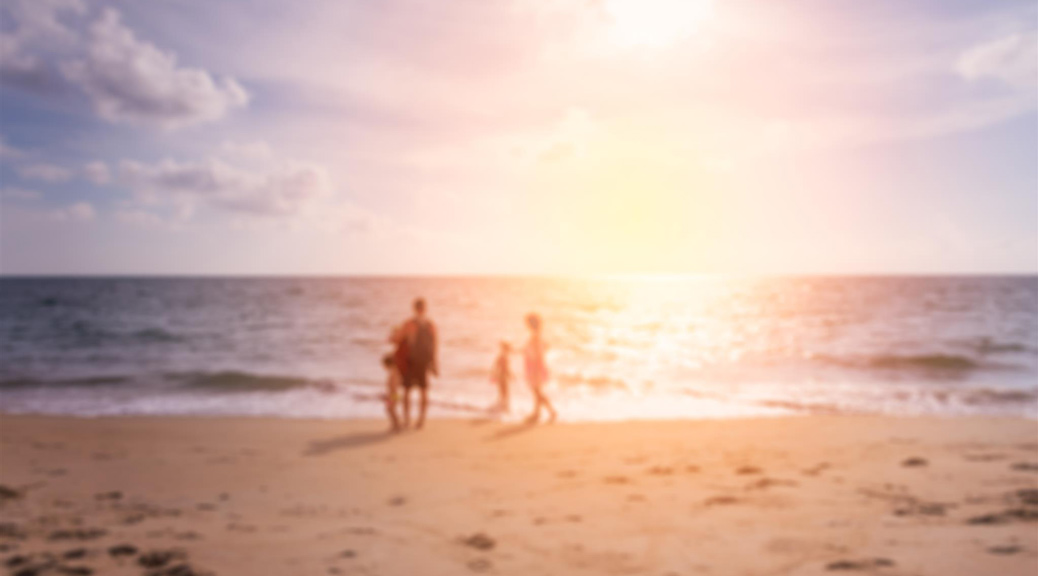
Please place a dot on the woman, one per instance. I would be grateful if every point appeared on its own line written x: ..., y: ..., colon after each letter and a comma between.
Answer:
x: 536, y: 369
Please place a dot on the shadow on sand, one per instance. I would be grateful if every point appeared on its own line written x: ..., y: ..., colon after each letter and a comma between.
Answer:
x: 347, y: 442
x: 512, y: 430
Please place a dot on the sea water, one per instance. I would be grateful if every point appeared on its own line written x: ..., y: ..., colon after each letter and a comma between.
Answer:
x: 619, y: 348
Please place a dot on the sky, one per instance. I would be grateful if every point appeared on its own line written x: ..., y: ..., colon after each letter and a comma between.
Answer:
x: 518, y: 137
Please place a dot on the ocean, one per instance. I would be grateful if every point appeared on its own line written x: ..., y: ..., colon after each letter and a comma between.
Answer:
x: 620, y: 348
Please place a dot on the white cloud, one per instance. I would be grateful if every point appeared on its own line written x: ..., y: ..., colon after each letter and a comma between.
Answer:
x: 280, y: 191
x: 45, y: 172
x: 97, y: 172
x: 132, y: 81
x: 78, y: 212
x: 1012, y: 59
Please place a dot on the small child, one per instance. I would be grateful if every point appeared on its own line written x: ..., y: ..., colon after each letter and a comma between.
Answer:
x: 500, y: 374
x: 392, y: 389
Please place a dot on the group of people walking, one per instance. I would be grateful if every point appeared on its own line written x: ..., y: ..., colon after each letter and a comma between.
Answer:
x: 415, y: 358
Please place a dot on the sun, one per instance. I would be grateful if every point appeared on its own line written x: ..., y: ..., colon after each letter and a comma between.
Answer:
x: 655, y: 23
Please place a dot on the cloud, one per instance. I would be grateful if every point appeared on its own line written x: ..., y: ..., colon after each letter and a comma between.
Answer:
x: 97, y: 172
x: 132, y: 81
x: 1012, y: 59
x: 281, y: 191
x: 253, y: 150
x: 8, y: 152
x: 78, y: 212
x: 38, y: 31
x: 45, y: 173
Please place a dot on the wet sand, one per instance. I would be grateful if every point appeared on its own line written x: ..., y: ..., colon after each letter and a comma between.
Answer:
x: 811, y: 495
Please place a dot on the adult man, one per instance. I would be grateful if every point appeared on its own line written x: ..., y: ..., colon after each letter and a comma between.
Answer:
x: 420, y: 335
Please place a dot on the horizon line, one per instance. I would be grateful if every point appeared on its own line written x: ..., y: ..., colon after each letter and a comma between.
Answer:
x: 448, y: 275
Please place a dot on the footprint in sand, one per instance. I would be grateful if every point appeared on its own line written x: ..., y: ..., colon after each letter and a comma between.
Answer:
x: 1028, y: 496
x: 77, y: 534
x: 159, y: 558
x: 864, y: 564
x: 914, y: 462
x: 817, y: 469
x: 1006, y: 517
x: 765, y: 483
x: 479, y: 541
x: 74, y: 554
x: 984, y: 457
x: 122, y: 550
x: 43, y: 563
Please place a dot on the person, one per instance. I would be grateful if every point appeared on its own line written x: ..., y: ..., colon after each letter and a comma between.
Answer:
x: 418, y: 335
x: 392, y: 389
x: 501, y: 374
x: 537, y: 370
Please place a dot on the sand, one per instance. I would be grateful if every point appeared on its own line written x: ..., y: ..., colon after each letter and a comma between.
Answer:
x: 804, y: 495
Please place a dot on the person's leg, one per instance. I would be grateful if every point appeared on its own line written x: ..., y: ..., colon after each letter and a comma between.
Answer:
x: 551, y: 409
x: 391, y: 396
x: 407, y: 406
x: 422, y: 405
x: 394, y: 422
x: 537, y: 400
x: 502, y: 396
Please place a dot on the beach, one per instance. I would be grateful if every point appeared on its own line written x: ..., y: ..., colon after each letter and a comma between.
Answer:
x: 789, y: 495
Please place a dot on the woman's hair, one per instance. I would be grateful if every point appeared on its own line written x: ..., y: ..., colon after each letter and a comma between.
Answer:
x: 533, y: 320
x: 388, y: 361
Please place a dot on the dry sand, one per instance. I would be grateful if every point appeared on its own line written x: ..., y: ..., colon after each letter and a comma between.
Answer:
x: 811, y: 495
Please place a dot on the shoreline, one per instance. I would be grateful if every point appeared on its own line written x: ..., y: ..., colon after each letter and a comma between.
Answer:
x: 761, y: 495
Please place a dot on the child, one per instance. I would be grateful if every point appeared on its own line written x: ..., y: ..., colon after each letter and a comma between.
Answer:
x: 500, y: 374
x: 392, y: 387
x: 537, y: 370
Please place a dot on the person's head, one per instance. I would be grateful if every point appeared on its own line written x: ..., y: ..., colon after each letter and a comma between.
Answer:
x: 419, y: 306
x: 388, y: 362
x: 505, y: 347
x: 533, y: 321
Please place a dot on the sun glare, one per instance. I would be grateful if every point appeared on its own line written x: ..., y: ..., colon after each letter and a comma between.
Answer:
x: 655, y: 23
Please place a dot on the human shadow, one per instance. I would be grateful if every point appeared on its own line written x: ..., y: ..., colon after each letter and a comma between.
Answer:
x: 512, y: 430
x: 347, y: 442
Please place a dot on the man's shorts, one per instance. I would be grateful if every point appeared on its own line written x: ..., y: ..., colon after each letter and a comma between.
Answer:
x: 419, y: 378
